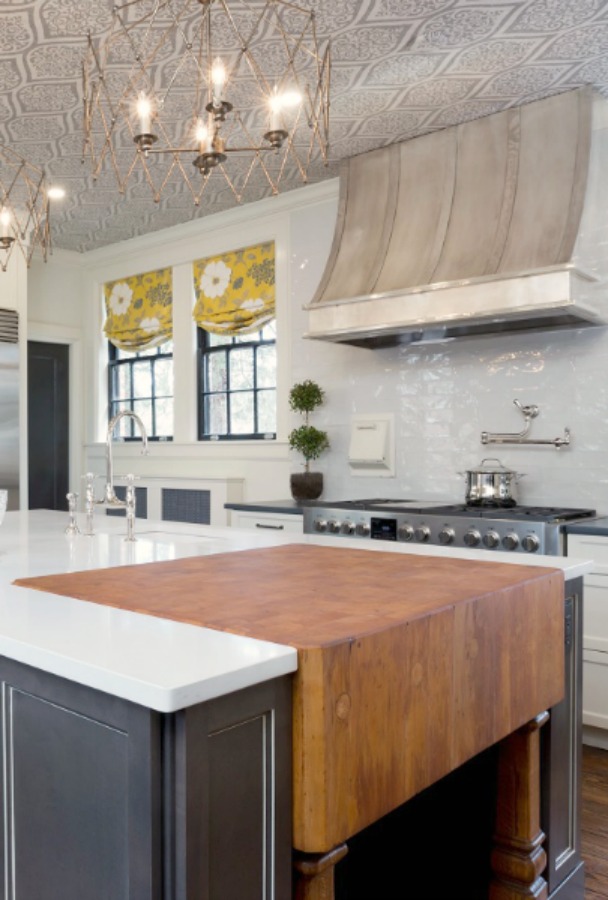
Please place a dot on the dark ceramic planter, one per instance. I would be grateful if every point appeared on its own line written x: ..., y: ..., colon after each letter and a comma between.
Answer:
x: 306, y: 485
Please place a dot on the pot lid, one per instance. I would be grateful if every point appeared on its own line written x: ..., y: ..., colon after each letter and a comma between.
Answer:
x: 489, y: 465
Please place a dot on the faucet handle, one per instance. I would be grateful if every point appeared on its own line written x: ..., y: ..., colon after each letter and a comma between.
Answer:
x: 130, y: 479
x: 529, y: 411
x: 72, y: 527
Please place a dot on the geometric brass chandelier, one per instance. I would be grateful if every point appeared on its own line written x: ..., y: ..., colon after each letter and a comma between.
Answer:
x: 179, y: 92
x: 24, y: 208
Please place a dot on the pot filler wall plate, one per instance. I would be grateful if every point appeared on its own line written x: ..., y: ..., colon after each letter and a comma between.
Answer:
x: 489, y: 226
x: 372, y: 445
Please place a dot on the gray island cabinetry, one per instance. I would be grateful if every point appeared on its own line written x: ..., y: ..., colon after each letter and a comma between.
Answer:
x: 107, y: 800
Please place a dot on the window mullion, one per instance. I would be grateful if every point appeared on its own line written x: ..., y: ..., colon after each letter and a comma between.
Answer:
x: 228, y: 391
x: 256, y: 423
x: 130, y: 364
x: 208, y: 347
x: 153, y: 392
x: 122, y: 386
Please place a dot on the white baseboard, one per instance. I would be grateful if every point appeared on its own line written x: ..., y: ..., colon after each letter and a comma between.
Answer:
x: 595, y: 737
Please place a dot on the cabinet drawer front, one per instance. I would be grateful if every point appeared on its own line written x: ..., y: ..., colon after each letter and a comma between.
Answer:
x: 261, y: 522
x: 589, y: 546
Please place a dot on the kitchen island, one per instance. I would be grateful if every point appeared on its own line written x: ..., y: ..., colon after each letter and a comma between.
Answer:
x: 121, y: 653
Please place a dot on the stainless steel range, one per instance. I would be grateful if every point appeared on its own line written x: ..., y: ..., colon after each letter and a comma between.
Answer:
x: 517, y: 529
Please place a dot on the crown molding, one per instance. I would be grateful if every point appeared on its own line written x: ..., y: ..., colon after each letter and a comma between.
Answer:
x: 243, y: 215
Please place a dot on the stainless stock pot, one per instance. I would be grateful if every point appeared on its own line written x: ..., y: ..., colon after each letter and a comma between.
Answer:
x: 491, y: 482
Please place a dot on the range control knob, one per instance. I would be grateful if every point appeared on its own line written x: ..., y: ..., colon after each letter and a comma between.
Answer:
x: 363, y: 529
x: 348, y: 528
x: 333, y: 526
x: 510, y: 541
x: 422, y: 533
x: 491, y: 539
x: 446, y: 535
x: 405, y: 533
x: 472, y: 538
x: 530, y: 543
x: 319, y: 525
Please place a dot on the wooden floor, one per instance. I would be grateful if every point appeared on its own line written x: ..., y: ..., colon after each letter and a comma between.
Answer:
x: 595, y: 823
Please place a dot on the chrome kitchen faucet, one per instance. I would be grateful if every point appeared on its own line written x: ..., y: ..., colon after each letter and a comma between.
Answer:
x: 109, y: 497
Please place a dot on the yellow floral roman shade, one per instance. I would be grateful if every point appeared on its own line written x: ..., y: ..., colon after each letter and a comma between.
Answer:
x: 139, y: 310
x: 235, y: 292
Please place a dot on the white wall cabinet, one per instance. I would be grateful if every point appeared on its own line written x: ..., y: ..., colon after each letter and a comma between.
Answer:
x: 595, y: 636
x: 267, y: 521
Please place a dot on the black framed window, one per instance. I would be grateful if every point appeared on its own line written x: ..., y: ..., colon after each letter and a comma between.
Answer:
x: 237, y: 377
x: 143, y: 383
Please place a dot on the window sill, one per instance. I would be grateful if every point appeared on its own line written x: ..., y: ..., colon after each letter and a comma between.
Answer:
x: 230, y: 449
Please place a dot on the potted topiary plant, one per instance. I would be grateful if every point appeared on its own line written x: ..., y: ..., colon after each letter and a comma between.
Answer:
x: 304, y: 398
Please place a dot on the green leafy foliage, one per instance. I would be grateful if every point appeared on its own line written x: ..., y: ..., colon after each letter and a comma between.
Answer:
x: 306, y: 396
x: 307, y: 440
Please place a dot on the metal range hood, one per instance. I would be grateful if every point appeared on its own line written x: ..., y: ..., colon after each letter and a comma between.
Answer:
x: 495, y: 225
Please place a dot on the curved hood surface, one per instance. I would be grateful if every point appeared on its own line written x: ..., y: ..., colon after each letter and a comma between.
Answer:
x: 488, y: 226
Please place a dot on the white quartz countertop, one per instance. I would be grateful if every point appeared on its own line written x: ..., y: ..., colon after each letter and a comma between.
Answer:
x: 154, y: 662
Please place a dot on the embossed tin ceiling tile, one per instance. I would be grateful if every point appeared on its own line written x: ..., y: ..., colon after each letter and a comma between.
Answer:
x: 442, y: 61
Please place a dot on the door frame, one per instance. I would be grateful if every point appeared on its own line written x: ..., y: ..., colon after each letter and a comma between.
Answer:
x: 58, y: 334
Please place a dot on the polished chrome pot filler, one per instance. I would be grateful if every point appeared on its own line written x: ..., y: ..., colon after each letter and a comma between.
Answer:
x: 514, y: 529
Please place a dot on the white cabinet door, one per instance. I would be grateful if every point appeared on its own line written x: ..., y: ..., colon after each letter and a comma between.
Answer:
x: 267, y: 521
x: 595, y: 689
x: 595, y: 627
x: 595, y: 615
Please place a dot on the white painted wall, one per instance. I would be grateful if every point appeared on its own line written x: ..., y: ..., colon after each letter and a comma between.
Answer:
x: 264, y: 466
x: 443, y: 395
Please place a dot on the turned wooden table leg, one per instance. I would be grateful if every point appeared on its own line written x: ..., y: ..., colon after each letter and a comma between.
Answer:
x: 314, y: 878
x: 518, y: 858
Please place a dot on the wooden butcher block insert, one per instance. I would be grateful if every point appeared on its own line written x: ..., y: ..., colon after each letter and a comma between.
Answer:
x: 407, y: 666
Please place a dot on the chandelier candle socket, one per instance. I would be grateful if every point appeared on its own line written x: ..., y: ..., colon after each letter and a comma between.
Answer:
x: 241, y: 87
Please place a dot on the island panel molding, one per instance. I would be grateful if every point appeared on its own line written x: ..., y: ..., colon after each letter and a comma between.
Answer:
x: 393, y: 653
x: 104, y: 797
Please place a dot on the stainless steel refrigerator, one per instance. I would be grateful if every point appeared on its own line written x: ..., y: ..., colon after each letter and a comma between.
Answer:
x: 9, y: 405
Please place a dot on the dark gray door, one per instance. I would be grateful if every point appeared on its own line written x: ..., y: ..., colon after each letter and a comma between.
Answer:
x: 48, y: 424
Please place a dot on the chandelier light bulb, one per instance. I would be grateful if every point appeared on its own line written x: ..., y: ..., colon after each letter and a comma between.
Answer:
x: 5, y: 221
x: 218, y: 80
x: 210, y: 135
x: 200, y: 135
x: 204, y: 136
x: 144, y: 111
x: 276, y: 105
x: 55, y: 193
x: 290, y: 98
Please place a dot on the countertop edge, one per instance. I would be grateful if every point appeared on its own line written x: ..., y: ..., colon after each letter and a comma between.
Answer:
x: 280, y: 507
x: 597, y: 527
x: 150, y: 661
